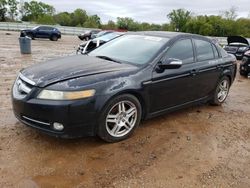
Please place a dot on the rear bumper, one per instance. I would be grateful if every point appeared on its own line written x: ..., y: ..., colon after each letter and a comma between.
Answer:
x: 78, y: 117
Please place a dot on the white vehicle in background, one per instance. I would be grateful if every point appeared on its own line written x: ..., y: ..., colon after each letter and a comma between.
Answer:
x: 87, y: 46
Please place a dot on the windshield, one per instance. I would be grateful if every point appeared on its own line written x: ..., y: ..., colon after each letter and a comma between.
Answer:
x: 35, y: 27
x: 108, y: 37
x: 135, y: 49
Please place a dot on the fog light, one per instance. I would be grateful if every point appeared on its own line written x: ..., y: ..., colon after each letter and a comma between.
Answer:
x: 58, y: 126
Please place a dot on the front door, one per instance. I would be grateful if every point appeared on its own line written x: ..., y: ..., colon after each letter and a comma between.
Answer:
x: 174, y: 87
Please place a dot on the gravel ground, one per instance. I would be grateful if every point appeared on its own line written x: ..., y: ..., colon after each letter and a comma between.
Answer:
x: 203, y: 146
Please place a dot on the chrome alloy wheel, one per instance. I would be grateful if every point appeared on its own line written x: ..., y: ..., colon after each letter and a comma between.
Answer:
x: 121, y: 118
x: 223, y: 90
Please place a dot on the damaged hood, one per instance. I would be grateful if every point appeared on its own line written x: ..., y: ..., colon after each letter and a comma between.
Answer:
x: 237, y: 39
x: 71, y: 67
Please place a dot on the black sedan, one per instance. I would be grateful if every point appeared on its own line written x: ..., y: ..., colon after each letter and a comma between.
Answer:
x: 47, y: 32
x: 237, y: 46
x: 86, y: 35
x: 111, y: 89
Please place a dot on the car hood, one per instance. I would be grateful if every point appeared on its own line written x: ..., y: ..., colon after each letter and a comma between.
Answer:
x: 237, y: 39
x: 71, y: 67
x: 26, y: 30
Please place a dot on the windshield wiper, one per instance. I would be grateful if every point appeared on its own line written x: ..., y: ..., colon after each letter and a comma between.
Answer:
x: 108, y: 58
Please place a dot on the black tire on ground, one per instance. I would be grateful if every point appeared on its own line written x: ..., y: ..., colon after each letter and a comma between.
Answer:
x: 54, y: 38
x: 215, y: 98
x: 102, y: 130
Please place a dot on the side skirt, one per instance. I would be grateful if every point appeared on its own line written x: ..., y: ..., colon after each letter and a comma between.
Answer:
x: 178, y: 107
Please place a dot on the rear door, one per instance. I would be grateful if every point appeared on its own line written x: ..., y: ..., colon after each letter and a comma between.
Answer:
x: 207, y: 66
x: 43, y: 32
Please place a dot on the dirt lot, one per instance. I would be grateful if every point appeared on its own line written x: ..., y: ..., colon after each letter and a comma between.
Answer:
x: 203, y: 146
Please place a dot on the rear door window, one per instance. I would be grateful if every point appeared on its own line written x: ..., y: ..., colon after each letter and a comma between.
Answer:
x: 182, y: 50
x: 204, y: 50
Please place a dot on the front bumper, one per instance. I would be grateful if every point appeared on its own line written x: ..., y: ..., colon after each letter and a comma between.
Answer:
x: 78, y: 117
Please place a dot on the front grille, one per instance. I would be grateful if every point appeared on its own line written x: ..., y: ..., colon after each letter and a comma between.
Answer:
x: 22, y: 87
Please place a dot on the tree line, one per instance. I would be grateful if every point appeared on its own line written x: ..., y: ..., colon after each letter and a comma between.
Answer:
x: 180, y: 20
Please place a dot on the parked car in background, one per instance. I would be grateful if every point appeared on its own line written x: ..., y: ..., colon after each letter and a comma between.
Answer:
x: 111, y: 89
x: 87, y: 46
x: 237, y: 46
x: 88, y: 33
x: 245, y: 65
x: 48, y: 32
x: 101, y: 33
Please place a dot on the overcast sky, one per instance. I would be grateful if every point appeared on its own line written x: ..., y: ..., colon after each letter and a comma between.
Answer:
x: 152, y: 11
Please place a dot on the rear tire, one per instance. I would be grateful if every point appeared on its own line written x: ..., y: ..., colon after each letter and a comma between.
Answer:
x: 221, y: 91
x: 119, y: 118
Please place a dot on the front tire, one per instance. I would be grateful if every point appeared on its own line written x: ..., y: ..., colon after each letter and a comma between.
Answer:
x: 221, y: 91
x: 119, y: 118
x: 31, y: 36
x: 54, y: 38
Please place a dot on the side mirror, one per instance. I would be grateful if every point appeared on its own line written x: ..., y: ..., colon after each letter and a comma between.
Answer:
x: 170, y: 63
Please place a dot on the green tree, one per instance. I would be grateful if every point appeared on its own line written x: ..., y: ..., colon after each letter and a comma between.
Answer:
x: 34, y: 9
x: 63, y: 18
x: 155, y: 27
x: 124, y: 23
x: 93, y: 21
x: 3, y: 10
x: 179, y: 18
x: 128, y: 24
x: 144, y: 26
x: 78, y: 17
x: 244, y: 26
x: 166, y: 27
x: 46, y: 19
x: 110, y: 25
x: 12, y: 8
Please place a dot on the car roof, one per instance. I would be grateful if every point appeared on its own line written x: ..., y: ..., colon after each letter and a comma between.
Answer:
x: 166, y: 34
x: 46, y: 26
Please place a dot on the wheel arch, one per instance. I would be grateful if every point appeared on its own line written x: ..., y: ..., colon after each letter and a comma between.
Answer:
x: 134, y: 93
x: 228, y: 74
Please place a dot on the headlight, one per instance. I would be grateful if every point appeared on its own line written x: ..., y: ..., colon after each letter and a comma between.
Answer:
x: 65, y: 95
x: 242, y: 48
